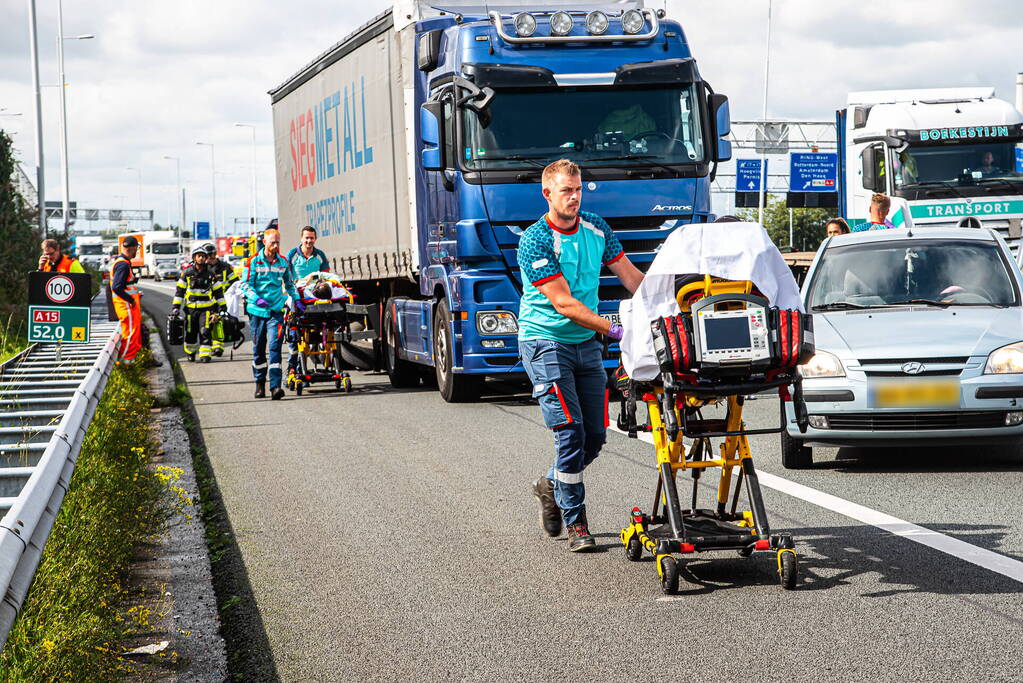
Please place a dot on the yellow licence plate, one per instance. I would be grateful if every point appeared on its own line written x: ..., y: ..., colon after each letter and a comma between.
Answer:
x: 916, y: 394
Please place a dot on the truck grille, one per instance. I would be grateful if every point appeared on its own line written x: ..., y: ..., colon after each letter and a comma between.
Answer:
x: 882, y: 422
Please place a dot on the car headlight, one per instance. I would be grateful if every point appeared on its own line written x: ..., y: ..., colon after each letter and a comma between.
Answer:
x: 633, y: 21
x: 823, y: 364
x: 1006, y: 360
x: 525, y: 24
x: 596, y: 22
x: 561, y: 24
x: 496, y: 322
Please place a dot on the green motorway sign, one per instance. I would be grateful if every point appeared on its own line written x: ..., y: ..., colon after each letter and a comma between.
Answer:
x: 67, y: 324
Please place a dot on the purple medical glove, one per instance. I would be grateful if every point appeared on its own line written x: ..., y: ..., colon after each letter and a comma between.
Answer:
x: 262, y: 303
x: 615, y: 332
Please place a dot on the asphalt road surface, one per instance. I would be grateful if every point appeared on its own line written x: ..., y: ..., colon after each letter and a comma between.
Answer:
x: 388, y: 535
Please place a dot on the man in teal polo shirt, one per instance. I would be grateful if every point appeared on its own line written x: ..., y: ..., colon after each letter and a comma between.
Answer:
x: 560, y: 257
x: 305, y: 259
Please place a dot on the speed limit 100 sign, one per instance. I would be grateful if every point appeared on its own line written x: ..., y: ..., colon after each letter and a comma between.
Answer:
x: 60, y: 289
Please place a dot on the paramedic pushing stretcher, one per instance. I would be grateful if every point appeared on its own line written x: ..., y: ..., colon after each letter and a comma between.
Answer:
x: 561, y: 256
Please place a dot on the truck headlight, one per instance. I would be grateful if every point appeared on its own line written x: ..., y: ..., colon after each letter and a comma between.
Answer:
x: 823, y: 364
x: 496, y: 322
x: 561, y: 24
x: 1006, y: 360
x: 633, y: 21
x: 596, y: 22
x: 525, y: 24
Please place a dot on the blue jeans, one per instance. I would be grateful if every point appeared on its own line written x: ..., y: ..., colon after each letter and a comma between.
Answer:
x: 570, y: 384
x: 267, y: 330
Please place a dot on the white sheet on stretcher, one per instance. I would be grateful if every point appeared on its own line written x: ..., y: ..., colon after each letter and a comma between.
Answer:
x: 733, y: 251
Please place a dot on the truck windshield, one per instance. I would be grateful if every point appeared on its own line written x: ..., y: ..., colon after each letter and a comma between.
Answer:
x: 165, y: 248
x: 90, y: 249
x: 988, y: 167
x: 596, y: 127
x: 928, y: 272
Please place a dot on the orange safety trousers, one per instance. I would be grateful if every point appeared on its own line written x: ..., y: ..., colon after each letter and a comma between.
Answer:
x: 131, y: 326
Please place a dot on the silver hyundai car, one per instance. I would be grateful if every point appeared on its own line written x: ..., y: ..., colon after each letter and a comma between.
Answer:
x: 919, y: 337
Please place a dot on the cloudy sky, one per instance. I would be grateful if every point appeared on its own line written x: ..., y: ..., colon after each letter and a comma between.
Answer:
x: 161, y: 76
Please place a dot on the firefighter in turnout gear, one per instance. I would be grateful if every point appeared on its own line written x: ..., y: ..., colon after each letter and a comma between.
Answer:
x: 227, y: 277
x: 201, y: 293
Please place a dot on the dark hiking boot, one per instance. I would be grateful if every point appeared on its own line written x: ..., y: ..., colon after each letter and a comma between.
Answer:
x: 550, y: 514
x: 277, y: 394
x: 579, y: 538
x: 260, y: 390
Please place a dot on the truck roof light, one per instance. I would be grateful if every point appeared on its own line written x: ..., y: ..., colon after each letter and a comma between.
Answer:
x: 561, y: 24
x: 596, y: 22
x: 632, y: 21
x: 525, y: 24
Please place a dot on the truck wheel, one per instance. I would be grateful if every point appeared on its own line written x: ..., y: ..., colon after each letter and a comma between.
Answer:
x: 454, y: 388
x: 402, y: 373
x: 794, y: 455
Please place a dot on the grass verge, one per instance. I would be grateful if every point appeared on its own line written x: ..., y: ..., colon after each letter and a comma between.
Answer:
x: 12, y: 336
x: 79, y: 607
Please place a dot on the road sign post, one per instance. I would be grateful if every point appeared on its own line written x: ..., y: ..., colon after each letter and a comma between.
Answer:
x: 59, y: 307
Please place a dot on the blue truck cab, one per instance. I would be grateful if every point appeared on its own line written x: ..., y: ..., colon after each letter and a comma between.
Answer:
x: 495, y: 94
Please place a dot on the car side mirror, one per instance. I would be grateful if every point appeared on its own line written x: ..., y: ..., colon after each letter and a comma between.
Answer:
x: 431, y: 132
x: 869, y: 164
x: 718, y: 105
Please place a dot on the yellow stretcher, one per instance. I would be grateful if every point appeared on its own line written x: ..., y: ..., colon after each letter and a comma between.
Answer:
x: 669, y: 531
x: 319, y: 331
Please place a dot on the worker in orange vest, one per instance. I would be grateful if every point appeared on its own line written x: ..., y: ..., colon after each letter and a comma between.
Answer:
x: 127, y: 299
x: 53, y: 261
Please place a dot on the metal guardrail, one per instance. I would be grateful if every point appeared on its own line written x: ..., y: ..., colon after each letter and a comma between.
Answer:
x: 47, y: 401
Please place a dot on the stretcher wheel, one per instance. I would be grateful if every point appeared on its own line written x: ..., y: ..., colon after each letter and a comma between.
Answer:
x: 788, y: 569
x: 633, y: 550
x: 669, y: 575
x: 298, y: 388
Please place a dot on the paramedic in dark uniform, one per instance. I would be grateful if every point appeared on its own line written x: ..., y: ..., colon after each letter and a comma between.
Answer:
x: 560, y: 257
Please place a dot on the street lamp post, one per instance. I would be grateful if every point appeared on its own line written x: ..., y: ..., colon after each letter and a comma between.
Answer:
x: 33, y: 41
x: 213, y: 176
x: 252, y: 221
x: 179, y: 199
x: 63, y: 109
x: 763, y: 156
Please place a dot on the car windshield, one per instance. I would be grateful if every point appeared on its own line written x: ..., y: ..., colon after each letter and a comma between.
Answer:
x: 165, y: 248
x: 941, y: 272
x: 634, y: 127
x: 961, y: 165
x: 90, y: 249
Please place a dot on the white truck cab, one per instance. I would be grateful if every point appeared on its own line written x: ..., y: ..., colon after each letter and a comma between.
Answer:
x: 945, y: 156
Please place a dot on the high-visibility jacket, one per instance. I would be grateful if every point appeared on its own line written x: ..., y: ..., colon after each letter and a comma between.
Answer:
x: 66, y: 264
x: 122, y: 278
x: 225, y: 272
x: 199, y: 288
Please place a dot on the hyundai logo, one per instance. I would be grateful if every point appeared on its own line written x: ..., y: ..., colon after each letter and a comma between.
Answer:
x: 913, y: 368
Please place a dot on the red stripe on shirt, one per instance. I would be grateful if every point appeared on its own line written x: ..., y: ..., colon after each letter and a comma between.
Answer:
x: 545, y: 280
x: 574, y: 229
x: 616, y: 258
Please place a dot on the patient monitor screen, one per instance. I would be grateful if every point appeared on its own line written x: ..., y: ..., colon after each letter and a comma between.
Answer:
x: 726, y: 333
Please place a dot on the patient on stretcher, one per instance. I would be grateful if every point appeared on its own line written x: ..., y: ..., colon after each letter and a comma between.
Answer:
x: 322, y: 286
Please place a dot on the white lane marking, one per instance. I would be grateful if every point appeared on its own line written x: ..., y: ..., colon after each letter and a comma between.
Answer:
x: 1000, y: 564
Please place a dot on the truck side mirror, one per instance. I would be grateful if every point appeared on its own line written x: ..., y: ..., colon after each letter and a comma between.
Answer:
x: 431, y: 132
x: 869, y: 163
x: 718, y: 105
